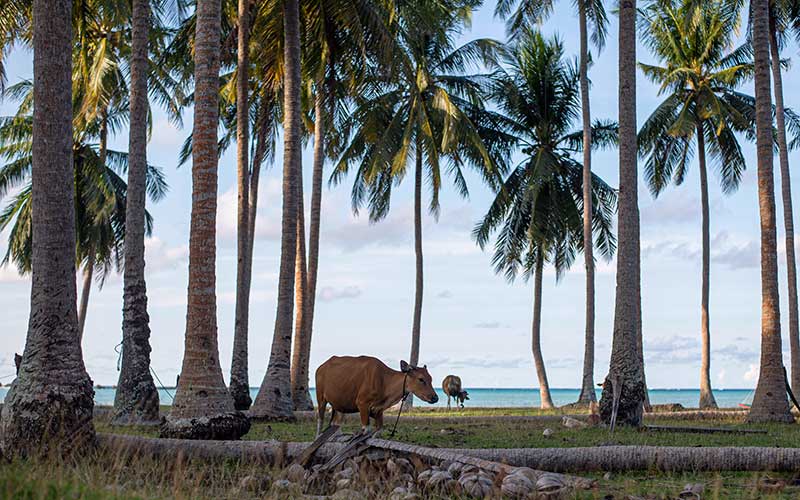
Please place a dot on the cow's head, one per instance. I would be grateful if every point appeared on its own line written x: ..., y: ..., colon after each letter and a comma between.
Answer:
x: 463, y: 396
x: 419, y: 382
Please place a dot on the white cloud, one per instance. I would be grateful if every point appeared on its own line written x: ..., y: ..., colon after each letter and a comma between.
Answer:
x: 751, y: 375
x: 161, y: 257
x: 9, y: 274
x: 330, y: 294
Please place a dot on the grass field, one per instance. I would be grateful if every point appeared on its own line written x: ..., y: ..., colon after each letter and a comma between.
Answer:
x: 100, y: 476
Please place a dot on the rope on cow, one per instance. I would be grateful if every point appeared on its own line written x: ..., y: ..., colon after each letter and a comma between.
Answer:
x: 402, y: 401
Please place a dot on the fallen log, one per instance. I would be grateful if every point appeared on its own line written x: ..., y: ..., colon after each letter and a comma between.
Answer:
x: 702, y: 430
x: 628, y: 458
x: 278, y: 453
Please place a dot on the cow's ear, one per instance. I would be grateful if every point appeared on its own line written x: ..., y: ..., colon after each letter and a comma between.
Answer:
x: 404, y: 367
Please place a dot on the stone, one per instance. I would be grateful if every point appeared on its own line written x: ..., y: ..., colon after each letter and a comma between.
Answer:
x: 547, y: 432
x: 517, y: 485
x: 572, y: 423
x: 347, y: 494
x: 477, y: 485
x: 295, y: 473
x: 424, y: 476
x: 455, y: 469
x: 342, y: 484
x: 439, y: 481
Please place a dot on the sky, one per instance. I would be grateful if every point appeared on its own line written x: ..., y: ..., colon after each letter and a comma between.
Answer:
x: 474, y: 323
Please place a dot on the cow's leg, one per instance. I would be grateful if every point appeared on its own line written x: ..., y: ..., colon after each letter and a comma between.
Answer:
x: 321, y: 414
x: 363, y: 411
x: 448, y: 401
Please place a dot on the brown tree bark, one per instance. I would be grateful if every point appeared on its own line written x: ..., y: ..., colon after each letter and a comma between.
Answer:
x: 301, y: 399
x: 770, y: 402
x: 627, y: 312
x: 274, y: 399
x: 203, y: 408
x: 536, y: 343
x: 587, y: 394
x: 240, y: 381
x: 788, y: 213
x: 88, y: 273
x: 313, y: 238
x: 49, y: 405
x: 419, y: 267
x: 706, y: 395
x: 136, y: 398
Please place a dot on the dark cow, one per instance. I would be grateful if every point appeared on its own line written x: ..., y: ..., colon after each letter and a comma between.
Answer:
x: 451, y: 385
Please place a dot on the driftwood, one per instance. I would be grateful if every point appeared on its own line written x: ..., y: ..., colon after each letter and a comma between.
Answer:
x: 309, y: 452
x: 702, y: 430
x: 357, y: 444
x: 662, y: 458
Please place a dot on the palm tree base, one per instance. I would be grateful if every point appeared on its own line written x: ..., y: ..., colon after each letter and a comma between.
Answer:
x: 136, y: 404
x: 43, y: 420
x: 707, y: 401
x: 225, y: 426
x: 586, y: 397
x: 302, y: 400
x: 630, y: 409
x: 241, y: 396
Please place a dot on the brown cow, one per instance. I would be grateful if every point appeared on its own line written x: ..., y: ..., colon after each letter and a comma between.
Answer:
x: 451, y: 385
x: 367, y: 386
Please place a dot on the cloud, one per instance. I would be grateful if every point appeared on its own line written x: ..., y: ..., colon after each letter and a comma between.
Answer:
x: 9, y: 274
x: 444, y: 294
x: 506, y: 363
x: 751, y: 375
x: 686, y: 350
x: 678, y: 208
x: 489, y: 325
x: 268, y: 219
x: 161, y: 257
x: 725, y: 249
x: 330, y: 294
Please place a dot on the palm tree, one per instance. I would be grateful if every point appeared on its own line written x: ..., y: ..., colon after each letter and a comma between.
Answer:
x: 783, y: 16
x: 239, y: 382
x: 50, y: 403
x: 136, y: 398
x: 203, y: 407
x: 699, y: 77
x: 274, y: 398
x: 769, y: 402
x: 628, y: 377
x: 537, y: 210
x: 591, y: 15
x: 432, y: 113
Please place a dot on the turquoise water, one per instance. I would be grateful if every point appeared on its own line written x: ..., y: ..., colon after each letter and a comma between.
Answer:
x: 727, y: 398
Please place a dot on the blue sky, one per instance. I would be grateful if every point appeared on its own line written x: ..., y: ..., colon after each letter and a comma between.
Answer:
x: 474, y: 324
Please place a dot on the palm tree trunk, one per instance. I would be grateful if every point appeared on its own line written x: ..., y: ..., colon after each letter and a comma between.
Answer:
x: 770, y: 402
x: 274, y: 398
x: 88, y: 272
x: 536, y: 344
x: 239, y: 382
x: 627, y: 312
x: 136, y: 398
x: 417, y: 325
x: 203, y: 407
x: 300, y: 381
x: 49, y: 405
x: 706, y: 395
x: 788, y: 214
x: 301, y: 399
x: 587, y: 381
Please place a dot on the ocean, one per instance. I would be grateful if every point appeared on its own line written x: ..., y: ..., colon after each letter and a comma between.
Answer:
x: 726, y: 398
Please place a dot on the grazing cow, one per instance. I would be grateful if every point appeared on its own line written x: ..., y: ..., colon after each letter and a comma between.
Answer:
x: 367, y: 386
x: 451, y: 385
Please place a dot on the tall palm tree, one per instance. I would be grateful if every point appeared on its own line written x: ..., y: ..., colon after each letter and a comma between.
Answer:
x: 49, y: 405
x: 537, y: 211
x: 699, y: 79
x: 274, y: 398
x: 432, y: 113
x: 769, y: 402
x: 628, y: 377
x: 239, y: 382
x: 783, y: 17
x: 591, y: 15
x: 136, y: 398
x: 203, y: 407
